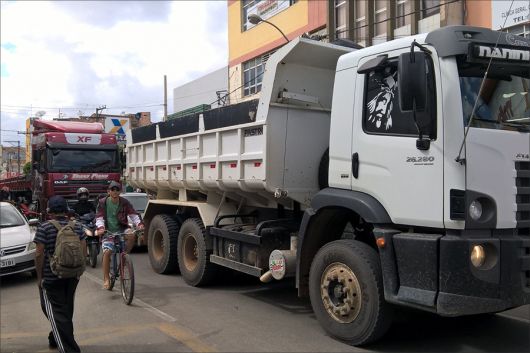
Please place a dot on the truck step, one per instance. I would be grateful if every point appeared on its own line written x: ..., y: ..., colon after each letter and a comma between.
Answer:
x: 238, y: 266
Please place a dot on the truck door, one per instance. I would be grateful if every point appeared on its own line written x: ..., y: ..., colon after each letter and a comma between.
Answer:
x: 386, y: 164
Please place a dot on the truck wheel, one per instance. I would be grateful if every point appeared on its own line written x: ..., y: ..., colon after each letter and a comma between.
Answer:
x: 346, y: 291
x: 323, y: 170
x: 162, y: 244
x: 193, y: 257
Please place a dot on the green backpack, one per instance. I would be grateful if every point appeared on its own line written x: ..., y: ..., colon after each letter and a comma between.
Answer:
x: 68, y: 260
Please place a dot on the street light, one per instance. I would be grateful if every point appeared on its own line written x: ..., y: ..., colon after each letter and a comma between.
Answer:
x: 255, y: 19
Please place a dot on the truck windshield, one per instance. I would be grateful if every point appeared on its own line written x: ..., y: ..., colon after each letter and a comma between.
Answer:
x: 504, y: 102
x: 71, y: 160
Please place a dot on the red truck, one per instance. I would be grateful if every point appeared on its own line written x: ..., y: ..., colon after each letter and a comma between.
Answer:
x: 67, y: 155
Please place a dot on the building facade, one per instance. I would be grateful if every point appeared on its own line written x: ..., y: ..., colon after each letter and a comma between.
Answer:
x: 369, y: 22
x: 12, y: 161
x: 250, y: 45
x: 206, y: 90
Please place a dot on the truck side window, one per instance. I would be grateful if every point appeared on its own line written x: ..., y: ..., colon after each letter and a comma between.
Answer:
x: 382, y: 114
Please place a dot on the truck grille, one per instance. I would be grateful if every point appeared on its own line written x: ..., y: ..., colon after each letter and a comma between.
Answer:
x: 68, y: 190
x: 525, y: 261
x: 522, y: 198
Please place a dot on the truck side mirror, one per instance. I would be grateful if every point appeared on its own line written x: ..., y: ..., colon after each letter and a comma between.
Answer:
x: 412, y: 78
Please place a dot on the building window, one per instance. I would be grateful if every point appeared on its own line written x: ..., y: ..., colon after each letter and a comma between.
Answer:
x: 379, y: 17
x: 402, y: 9
x: 264, y: 9
x: 360, y: 21
x: 253, y: 73
x: 429, y: 7
x: 341, y: 25
x: 522, y: 30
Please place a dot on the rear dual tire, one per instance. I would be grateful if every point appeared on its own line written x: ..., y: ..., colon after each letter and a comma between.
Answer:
x: 193, y: 254
x: 162, y: 244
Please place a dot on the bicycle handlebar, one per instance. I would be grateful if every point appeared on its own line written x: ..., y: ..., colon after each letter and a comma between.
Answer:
x: 121, y: 234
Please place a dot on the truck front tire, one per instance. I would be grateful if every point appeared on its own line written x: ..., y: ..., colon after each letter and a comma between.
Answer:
x: 162, y: 244
x: 193, y: 256
x: 346, y: 291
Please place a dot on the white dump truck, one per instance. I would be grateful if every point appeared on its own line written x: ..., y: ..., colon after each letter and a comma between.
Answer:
x: 397, y: 174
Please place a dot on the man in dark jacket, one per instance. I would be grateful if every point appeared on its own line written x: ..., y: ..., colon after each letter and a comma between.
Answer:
x: 56, y: 294
x: 112, y: 215
x: 83, y: 204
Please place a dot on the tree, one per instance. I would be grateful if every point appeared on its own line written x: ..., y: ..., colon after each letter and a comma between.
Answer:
x: 27, y: 168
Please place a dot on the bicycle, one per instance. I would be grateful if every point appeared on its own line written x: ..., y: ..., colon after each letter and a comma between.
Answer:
x: 121, y: 267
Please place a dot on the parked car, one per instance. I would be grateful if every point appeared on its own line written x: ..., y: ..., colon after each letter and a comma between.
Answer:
x: 17, y: 249
x: 139, y: 202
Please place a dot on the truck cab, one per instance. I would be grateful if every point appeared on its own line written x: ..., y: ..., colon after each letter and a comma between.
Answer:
x: 68, y: 155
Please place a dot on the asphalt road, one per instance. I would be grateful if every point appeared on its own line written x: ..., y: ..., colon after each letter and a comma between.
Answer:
x: 238, y: 314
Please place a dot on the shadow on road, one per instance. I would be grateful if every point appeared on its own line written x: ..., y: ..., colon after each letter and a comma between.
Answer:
x: 416, y: 332
x: 282, y: 295
x: 18, y: 279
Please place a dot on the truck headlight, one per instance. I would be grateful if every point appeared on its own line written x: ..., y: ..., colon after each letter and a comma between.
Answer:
x: 475, y: 210
x: 478, y: 256
x: 31, y: 246
x: 484, y: 256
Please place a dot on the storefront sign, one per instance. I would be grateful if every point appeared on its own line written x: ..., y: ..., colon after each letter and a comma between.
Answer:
x: 266, y: 9
x: 504, y: 17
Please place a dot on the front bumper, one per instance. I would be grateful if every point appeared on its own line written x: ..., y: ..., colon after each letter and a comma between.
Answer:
x: 434, y: 272
x: 23, y: 261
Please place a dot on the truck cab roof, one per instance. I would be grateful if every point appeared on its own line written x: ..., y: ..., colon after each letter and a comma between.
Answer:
x: 67, y: 126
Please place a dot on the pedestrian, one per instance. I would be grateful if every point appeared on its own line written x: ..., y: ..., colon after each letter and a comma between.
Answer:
x: 113, y: 214
x: 57, y: 293
x: 4, y: 194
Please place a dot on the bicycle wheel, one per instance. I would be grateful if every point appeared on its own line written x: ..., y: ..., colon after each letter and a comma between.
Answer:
x: 93, y: 255
x: 113, y: 270
x: 126, y: 278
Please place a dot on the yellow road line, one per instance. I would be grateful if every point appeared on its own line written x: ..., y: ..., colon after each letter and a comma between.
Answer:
x: 180, y: 334
x: 111, y: 335
x: 185, y: 337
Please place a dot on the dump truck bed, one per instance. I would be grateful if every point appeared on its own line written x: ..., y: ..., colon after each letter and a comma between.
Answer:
x: 267, y: 150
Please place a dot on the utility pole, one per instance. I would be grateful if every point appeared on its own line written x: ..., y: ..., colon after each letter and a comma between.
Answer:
x: 100, y: 109
x: 165, y: 97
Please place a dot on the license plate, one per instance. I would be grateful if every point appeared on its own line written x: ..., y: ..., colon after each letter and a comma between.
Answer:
x: 7, y: 263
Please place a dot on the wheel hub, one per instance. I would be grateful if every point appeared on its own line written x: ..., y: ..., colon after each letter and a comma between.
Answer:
x: 158, y: 245
x: 191, y: 252
x: 341, y: 292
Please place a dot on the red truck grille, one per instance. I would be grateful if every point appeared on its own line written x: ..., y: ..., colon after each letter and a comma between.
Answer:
x: 69, y: 190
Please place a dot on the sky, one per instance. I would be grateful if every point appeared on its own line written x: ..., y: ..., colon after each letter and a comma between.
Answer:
x: 70, y: 57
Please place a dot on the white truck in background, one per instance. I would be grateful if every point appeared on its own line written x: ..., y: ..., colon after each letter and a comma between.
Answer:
x: 391, y: 175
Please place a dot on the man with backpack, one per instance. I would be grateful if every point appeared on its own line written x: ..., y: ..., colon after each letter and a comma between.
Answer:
x: 59, y: 262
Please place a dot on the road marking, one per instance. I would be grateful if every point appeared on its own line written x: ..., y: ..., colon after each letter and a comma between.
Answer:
x: 514, y: 318
x: 157, y: 312
x: 185, y: 337
x: 124, y: 331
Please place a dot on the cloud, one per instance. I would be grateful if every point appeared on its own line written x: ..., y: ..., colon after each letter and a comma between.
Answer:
x: 81, y: 55
x: 107, y: 14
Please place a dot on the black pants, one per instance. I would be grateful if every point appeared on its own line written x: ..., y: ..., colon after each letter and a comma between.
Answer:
x: 57, y: 303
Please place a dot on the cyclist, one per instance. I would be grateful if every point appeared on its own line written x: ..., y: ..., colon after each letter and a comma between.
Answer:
x: 112, y: 214
x: 83, y: 205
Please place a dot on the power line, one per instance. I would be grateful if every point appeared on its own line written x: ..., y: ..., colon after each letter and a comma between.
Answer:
x: 28, y: 107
